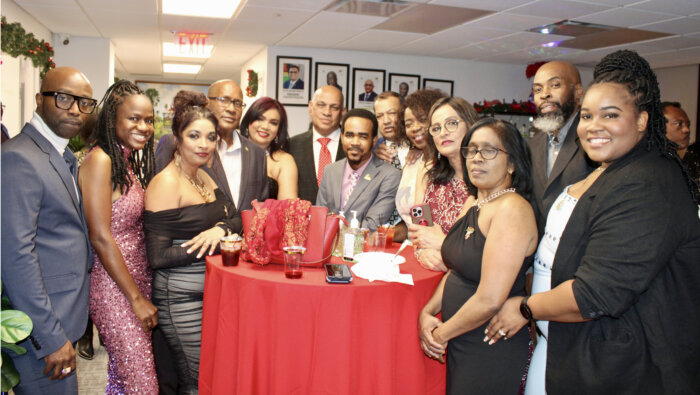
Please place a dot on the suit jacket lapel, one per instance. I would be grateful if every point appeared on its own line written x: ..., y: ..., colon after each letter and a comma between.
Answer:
x: 539, y: 159
x: 567, y: 152
x: 246, y: 162
x: 217, y: 172
x: 336, y: 173
x: 367, y: 176
x: 58, y: 163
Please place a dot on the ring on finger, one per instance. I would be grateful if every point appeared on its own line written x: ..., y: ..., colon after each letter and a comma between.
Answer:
x: 66, y: 370
x: 502, y: 333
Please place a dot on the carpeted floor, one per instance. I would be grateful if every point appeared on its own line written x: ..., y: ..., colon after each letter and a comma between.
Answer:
x: 92, y: 375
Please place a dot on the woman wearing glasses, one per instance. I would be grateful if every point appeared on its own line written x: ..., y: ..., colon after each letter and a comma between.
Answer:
x: 113, y: 177
x: 265, y: 125
x: 445, y: 190
x: 485, y: 252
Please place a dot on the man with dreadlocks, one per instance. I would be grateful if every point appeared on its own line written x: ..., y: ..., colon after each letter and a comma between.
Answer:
x: 617, y: 277
x: 113, y: 178
x: 45, y: 249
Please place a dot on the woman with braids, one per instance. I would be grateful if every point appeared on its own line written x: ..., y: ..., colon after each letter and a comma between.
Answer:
x: 265, y: 124
x: 112, y: 178
x: 617, y: 277
x: 186, y: 216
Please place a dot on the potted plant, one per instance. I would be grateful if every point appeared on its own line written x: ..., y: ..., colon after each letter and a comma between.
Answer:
x: 16, y: 326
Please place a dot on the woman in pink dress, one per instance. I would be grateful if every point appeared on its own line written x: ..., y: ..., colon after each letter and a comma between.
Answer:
x: 112, y: 179
x: 444, y: 188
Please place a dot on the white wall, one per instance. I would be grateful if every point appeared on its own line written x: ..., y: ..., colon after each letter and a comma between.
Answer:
x: 681, y: 84
x: 474, y: 81
x: 93, y: 56
x: 19, y: 79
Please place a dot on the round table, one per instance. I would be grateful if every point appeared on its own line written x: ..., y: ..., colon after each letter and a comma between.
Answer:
x: 265, y: 334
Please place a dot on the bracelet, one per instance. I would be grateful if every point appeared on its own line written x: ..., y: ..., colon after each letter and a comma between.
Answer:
x: 418, y: 252
x: 222, y: 225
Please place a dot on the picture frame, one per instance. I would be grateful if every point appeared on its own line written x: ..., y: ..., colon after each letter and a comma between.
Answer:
x: 361, y: 98
x: 162, y: 95
x: 404, y: 84
x: 339, y: 71
x: 446, y: 86
x: 292, y: 91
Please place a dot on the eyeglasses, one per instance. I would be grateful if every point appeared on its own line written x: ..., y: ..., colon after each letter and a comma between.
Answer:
x: 487, y: 153
x: 451, y: 125
x: 227, y: 101
x: 65, y: 101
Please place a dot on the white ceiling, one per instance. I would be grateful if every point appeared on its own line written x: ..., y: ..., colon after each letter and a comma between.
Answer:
x: 138, y: 29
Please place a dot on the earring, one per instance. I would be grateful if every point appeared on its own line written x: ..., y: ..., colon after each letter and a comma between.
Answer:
x: 177, y: 159
x: 439, y: 156
x: 510, y: 171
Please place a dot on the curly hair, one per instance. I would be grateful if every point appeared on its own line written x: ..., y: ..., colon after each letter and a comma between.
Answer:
x: 256, y: 111
x: 516, y: 150
x: 442, y: 172
x: 189, y: 106
x: 630, y: 70
x: 104, y: 135
x: 420, y: 102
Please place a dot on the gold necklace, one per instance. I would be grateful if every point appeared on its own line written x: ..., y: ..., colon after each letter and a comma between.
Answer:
x: 199, y: 186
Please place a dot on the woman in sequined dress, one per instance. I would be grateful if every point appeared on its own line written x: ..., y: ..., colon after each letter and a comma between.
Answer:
x: 112, y: 179
x: 445, y: 190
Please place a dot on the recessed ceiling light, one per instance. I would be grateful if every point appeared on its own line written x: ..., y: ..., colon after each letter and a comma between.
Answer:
x: 544, y: 31
x: 222, y: 9
x: 181, y: 68
x: 174, y: 50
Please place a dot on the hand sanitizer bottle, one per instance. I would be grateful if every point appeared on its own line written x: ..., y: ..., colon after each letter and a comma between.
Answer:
x: 350, y: 238
x: 341, y: 234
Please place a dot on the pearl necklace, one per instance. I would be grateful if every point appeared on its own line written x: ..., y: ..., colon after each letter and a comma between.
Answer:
x: 481, y: 203
x: 199, y: 186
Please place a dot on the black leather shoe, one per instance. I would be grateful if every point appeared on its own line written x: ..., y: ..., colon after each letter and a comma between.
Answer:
x: 84, y: 348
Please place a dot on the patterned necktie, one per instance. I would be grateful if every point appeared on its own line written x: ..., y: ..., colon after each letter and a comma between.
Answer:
x: 324, y: 159
x: 394, y: 159
x: 354, y: 176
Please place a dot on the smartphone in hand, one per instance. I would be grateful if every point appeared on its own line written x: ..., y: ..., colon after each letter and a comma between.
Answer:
x: 422, y: 215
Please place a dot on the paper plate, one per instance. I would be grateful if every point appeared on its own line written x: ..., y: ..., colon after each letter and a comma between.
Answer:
x: 378, y: 258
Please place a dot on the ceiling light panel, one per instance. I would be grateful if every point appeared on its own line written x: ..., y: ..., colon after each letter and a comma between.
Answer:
x: 180, y: 68
x: 220, y: 9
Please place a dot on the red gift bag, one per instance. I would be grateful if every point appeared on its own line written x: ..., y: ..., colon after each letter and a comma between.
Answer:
x: 275, y: 224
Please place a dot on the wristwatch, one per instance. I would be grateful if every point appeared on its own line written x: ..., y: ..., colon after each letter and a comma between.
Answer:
x: 525, y: 309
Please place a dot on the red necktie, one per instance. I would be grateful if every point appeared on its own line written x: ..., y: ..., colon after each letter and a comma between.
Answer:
x: 324, y: 159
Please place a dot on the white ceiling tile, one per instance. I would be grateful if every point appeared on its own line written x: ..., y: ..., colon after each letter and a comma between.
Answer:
x: 559, y: 9
x: 493, y: 5
x: 378, y: 40
x: 614, y: 3
x: 677, y: 7
x: 44, y: 3
x: 308, y: 5
x: 681, y: 25
x: 507, y: 21
x: 120, y: 23
x: 678, y: 42
x: 623, y: 17
x: 135, y: 6
x: 472, y: 52
x: 323, y: 30
x: 278, y: 23
x: 524, y: 40
x: 63, y: 20
x: 541, y: 53
x: 234, y: 52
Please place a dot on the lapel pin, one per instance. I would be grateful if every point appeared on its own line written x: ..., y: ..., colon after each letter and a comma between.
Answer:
x: 468, y: 233
x: 246, y: 148
x: 368, y: 177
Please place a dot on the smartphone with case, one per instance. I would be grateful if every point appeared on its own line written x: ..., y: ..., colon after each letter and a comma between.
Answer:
x: 337, y: 273
x: 421, y: 215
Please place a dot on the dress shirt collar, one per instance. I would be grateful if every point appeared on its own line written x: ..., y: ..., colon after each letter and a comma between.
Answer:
x: 59, y: 143
x: 334, y: 136
x: 360, y: 170
x: 563, y: 132
x: 223, y: 148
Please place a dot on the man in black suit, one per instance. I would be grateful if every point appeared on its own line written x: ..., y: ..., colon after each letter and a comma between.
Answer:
x: 294, y: 82
x: 46, y: 254
x: 320, y: 145
x: 239, y: 167
x: 557, y: 157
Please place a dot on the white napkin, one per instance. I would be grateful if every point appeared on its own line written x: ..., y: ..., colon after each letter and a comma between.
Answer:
x: 380, y: 266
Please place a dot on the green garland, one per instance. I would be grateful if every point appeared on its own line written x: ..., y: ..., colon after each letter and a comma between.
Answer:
x: 16, y: 41
x: 252, y: 89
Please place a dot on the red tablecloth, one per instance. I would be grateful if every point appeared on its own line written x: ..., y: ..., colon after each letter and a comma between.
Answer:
x: 265, y: 334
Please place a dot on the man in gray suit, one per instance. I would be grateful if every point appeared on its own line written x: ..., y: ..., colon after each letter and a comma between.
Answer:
x: 557, y: 157
x: 361, y: 182
x: 238, y: 167
x: 320, y: 145
x: 45, y: 249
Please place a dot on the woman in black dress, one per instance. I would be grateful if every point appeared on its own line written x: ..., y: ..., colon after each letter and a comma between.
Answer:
x: 485, y: 252
x: 186, y: 216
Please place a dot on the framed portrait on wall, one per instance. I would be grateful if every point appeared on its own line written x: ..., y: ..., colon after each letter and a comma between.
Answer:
x: 367, y: 84
x: 446, y: 86
x: 293, y: 80
x: 404, y: 84
x: 336, y: 74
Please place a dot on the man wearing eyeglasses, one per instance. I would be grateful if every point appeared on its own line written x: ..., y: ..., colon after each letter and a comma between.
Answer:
x: 45, y: 249
x: 239, y: 167
x: 320, y: 145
